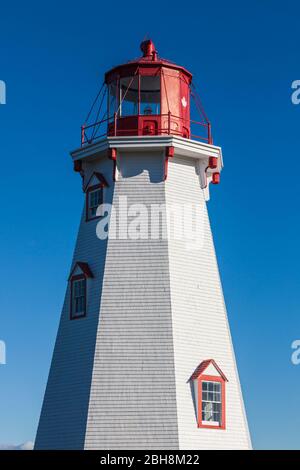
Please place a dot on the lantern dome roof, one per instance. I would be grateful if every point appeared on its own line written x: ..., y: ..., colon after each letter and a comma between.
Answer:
x: 149, y: 59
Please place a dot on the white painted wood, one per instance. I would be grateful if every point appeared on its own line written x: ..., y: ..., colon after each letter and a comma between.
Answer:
x: 63, y: 419
x: 211, y: 370
x: 185, y: 147
x: 119, y: 377
x: 133, y: 397
x: 200, y: 327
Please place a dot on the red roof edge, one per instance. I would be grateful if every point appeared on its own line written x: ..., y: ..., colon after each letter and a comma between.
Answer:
x: 203, y: 365
x: 100, y: 177
x: 84, y: 268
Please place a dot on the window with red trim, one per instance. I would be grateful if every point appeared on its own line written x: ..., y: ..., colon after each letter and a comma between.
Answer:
x: 94, y: 199
x: 78, y: 297
x: 211, y: 402
x: 208, y: 389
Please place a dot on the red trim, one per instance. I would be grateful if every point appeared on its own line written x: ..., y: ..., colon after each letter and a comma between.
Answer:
x: 82, y: 134
x: 211, y: 378
x: 215, y: 178
x: 77, y: 165
x: 73, y: 279
x: 87, y: 194
x: 86, y: 270
x: 112, y: 154
x: 145, y: 67
x: 213, y: 162
x: 203, y: 365
x: 170, y: 151
x: 169, y: 154
x: 101, y: 179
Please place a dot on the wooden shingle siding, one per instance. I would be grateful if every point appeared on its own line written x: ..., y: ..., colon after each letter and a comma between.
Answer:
x: 200, y: 325
x: 63, y: 417
x: 119, y: 378
x: 133, y: 398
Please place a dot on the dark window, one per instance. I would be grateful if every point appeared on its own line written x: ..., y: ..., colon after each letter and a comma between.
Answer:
x: 129, y: 96
x: 78, y: 297
x: 94, y: 199
x: 150, y: 95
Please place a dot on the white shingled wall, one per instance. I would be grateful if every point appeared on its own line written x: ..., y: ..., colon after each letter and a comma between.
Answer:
x: 200, y: 327
x: 119, y: 376
x: 133, y: 397
x: 62, y: 423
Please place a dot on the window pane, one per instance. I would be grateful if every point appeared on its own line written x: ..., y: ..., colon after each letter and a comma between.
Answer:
x: 150, y: 95
x: 112, y: 99
x: 79, y: 297
x: 129, y: 95
x: 95, y: 200
x: 216, y: 407
x: 211, y: 402
x: 207, y: 411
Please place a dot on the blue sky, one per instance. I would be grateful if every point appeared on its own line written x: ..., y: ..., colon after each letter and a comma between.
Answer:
x: 244, y: 57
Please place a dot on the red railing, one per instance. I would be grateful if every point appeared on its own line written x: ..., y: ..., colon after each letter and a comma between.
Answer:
x: 109, y: 127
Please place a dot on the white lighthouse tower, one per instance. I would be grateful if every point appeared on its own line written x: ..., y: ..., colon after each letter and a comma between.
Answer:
x: 143, y: 357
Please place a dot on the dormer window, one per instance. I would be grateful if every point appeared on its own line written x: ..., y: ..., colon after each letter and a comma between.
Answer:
x: 78, y: 301
x: 208, y: 387
x: 94, y: 195
x: 95, y: 200
x: 78, y: 290
x: 211, y: 408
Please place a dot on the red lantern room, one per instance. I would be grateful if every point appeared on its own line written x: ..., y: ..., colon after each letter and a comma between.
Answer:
x: 149, y: 96
x: 146, y: 96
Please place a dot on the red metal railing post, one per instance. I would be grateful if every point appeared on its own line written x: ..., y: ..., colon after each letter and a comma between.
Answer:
x: 115, y: 124
x: 209, y: 133
x: 82, y: 134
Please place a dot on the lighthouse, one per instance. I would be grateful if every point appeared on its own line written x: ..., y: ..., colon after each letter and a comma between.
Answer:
x: 143, y: 357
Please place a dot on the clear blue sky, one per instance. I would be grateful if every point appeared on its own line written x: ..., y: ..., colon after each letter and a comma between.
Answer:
x: 244, y: 56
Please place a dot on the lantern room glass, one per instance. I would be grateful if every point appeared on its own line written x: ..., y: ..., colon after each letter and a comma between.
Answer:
x: 135, y: 95
x: 150, y: 95
x: 129, y: 96
x: 112, y: 99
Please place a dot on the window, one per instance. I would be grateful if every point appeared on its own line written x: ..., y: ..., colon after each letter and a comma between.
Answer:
x: 129, y: 96
x: 211, y: 403
x: 208, y: 392
x: 95, y: 201
x: 94, y: 195
x: 150, y: 95
x: 112, y: 99
x: 138, y: 95
x: 79, y: 278
x: 78, y: 297
x: 94, y: 198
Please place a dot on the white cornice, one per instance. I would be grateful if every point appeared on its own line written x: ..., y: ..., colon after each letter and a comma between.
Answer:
x: 183, y: 147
